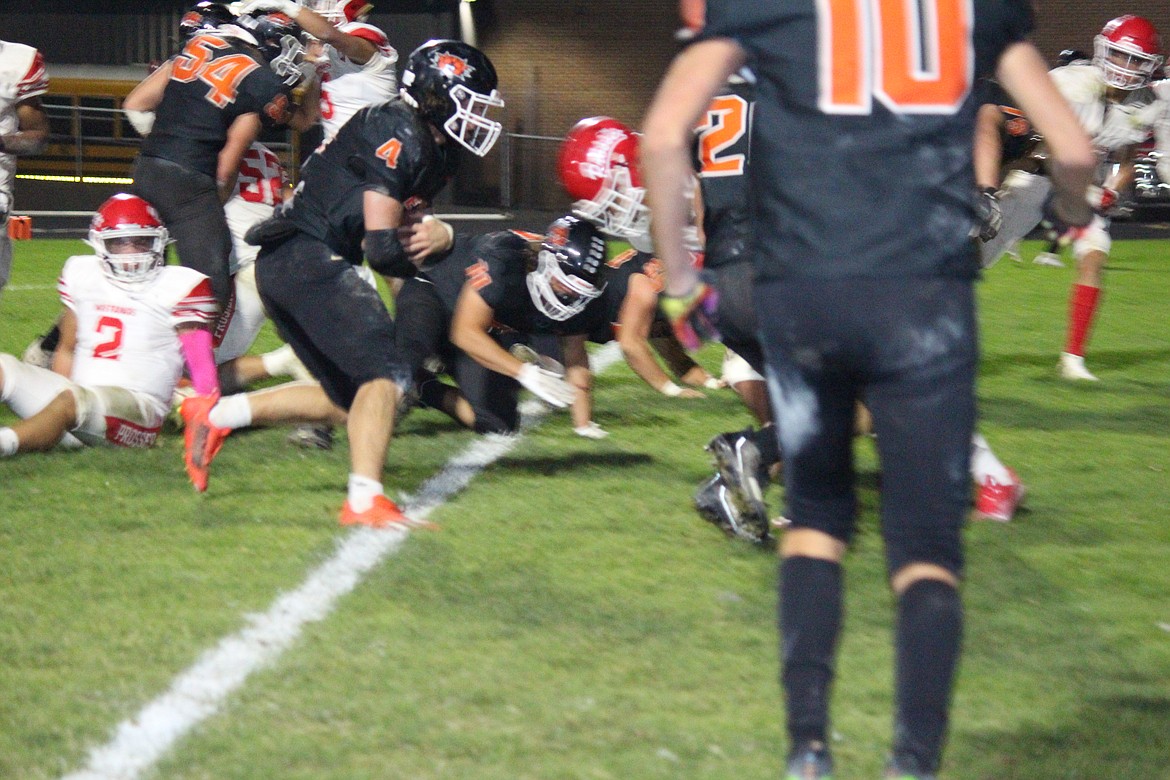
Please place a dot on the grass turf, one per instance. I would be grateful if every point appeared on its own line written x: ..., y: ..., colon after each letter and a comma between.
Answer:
x: 574, y: 618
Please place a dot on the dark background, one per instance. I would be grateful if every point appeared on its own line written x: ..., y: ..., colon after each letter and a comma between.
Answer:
x: 558, y: 61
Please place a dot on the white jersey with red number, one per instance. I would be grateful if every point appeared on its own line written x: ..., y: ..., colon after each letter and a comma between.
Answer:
x: 347, y: 87
x: 22, y: 76
x: 129, y: 339
x: 259, y: 190
x: 1112, y: 126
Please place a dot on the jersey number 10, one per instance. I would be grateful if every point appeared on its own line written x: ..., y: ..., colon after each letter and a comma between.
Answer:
x: 914, y: 56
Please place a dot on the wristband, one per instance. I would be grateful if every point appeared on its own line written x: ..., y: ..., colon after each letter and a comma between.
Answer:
x: 669, y: 388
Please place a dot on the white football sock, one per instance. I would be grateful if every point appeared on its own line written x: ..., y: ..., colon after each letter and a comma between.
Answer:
x: 284, y: 362
x: 233, y: 412
x: 8, y: 442
x: 362, y: 492
x: 984, y: 464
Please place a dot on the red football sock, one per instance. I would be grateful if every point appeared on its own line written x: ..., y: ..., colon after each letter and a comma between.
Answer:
x: 1082, y: 305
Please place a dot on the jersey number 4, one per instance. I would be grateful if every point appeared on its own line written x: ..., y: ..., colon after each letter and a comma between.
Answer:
x: 914, y: 56
x: 223, y: 75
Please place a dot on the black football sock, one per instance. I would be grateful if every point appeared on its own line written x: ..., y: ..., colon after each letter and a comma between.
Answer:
x: 928, y: 642
x: 810, y: 620
x: 769, y: 448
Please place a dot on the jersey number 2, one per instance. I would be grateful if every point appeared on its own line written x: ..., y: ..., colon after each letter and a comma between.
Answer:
x: 110, y: 329
x: 724, y: 122
x: 914, y: 56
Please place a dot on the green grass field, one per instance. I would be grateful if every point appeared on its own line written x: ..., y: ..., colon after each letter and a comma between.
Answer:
x: 573, y: 618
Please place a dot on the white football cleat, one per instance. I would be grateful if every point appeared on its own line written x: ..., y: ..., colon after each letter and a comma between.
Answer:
x: 1050, y: 259
x: 1072, y: 367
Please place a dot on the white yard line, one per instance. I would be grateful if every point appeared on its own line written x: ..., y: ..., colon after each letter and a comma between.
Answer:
x: 27, y: 287
x: 198, y: 693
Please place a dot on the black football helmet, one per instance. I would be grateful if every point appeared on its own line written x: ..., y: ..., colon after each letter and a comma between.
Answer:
x: 568, y: 268
x: 279, y: 39
x: 202, y: 17
x: 453, y: 84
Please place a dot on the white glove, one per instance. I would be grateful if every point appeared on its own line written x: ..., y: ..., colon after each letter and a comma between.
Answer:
x: 591, y: 431
x: 5, y: 206
x: 546, y: 385
x: 288, y: 7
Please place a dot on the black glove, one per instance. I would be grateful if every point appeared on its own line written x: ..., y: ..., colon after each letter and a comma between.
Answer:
x: 989, y: 212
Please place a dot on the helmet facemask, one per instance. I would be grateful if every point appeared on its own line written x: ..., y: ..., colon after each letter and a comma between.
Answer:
x: 1125, y: 67
x: 130, y: 270
x: 558, y: 295
x: 288, y: 64
x: 469, y: 125
x: 617, y: 208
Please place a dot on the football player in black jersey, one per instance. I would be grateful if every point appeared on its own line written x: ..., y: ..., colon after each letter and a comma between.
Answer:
x: 865, y: 291
x: 354, y: 195
x: 200, y: 112
x: 734, y: 498
x: 467, y: 309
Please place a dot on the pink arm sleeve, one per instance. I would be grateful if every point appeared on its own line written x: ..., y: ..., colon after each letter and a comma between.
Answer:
x: 197, y: 352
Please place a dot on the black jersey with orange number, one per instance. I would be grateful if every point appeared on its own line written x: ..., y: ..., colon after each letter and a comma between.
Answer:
x: 722, y: 138
x: 600, y: 315
x: 384, y: 148
x: 213, y: 81
x: 863, y: 130
x: 495, y: 265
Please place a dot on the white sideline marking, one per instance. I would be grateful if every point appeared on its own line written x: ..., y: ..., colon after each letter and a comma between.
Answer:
x: 27, y: 287
x: 197, y: 693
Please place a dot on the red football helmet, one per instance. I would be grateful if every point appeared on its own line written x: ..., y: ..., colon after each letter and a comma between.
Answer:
x: 130, y: 239
x: 1129, y: 51
x: 598, y: 166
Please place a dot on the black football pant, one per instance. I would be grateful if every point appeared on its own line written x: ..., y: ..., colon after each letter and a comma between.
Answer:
x: 189, y: 205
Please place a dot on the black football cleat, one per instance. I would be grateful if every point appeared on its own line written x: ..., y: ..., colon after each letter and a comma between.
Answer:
x: 738, y: 459
x: 715, y: 504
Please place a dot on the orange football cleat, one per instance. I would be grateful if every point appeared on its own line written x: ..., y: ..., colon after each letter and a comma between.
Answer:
x: 202, y: 440
x: 383, y: 514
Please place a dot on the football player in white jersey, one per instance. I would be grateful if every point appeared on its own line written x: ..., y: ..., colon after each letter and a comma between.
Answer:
x: 130, y: 323
x: 24, y: 128
x: 1116, y: 105
x: 355, y: 61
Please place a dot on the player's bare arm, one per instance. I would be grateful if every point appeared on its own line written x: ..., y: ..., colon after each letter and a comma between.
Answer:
x: 1024, y: 74
x: 685, y: 92
x: 470, y: 328
x: 988, y: 149
x: 352, y: 47
x: 32, y: 131
x: 634, y: 320
x: 142, y: 101
x: 579, y: 375
x: 63, y: 356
